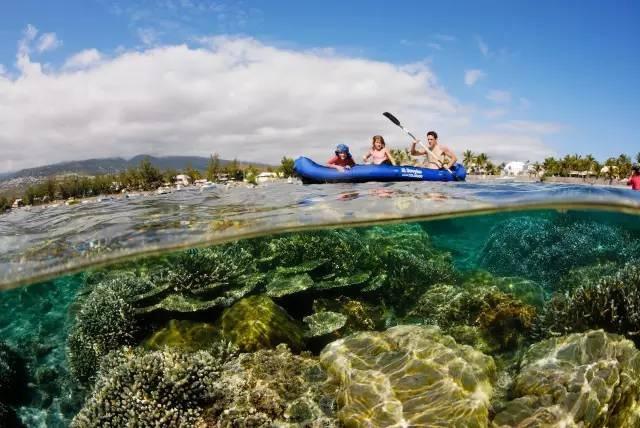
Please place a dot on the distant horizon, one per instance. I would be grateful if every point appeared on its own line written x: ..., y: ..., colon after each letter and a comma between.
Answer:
x: 106, y: 78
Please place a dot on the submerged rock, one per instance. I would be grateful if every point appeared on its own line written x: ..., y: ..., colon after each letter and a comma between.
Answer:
x: 582, y: 380
x: 272, y: 388
x: 409, y: 376
x: 256, y: 322
x: 183, y: 335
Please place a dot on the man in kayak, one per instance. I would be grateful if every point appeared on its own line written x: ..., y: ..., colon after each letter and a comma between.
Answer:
x: 342, y: 159
x: 437, y: 156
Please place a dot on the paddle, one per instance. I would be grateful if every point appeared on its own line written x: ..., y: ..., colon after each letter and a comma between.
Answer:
x: 395, y: 120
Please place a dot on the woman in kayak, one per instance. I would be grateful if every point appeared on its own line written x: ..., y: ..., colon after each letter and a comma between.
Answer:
x: 379, y: 154
x: 342, y: 159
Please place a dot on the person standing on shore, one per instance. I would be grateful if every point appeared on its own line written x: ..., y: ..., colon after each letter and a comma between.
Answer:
x: 436, y: 156
x: 634, y: 179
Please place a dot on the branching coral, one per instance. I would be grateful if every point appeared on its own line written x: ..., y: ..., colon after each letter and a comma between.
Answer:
x: 272, y: 388
x: 149, y: 389
x: 545, y: 249
x: 106, y: 320
x: 611, y: 303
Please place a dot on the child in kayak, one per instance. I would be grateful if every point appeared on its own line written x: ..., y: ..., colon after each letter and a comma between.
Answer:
x: 342, y: 159
x: 378, y: 153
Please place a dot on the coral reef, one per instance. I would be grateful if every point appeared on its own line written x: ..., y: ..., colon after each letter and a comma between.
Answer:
x: 611, y: 302
x: 544, y: 249
x: 409, y: 376
x: 323, y: 323
x: 149, y: 389
x: 201, y: 279
x: 361, y: 315
x: 106, y: 320
x: 256, y: 322
x: 484, y: 317
x: 582, y: 380
x: 183, y: 335
x: 272, y: 388
x: 13, y: 376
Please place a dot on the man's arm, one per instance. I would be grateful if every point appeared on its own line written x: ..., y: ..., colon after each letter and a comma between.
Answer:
x: 450, y: 155
x: 415, y: 152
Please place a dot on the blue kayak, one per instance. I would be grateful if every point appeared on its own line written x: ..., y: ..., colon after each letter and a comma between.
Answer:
x: 311, y: 172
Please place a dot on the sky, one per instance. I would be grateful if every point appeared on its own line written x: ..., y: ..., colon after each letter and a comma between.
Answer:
x: 258, y: 80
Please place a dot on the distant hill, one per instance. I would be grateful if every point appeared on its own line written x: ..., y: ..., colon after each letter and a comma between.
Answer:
x: 115, y: 165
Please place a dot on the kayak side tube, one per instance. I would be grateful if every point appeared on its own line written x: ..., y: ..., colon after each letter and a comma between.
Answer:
x: 311, y: 172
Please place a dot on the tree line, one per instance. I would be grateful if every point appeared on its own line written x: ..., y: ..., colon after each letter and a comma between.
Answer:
x: 143, y: 177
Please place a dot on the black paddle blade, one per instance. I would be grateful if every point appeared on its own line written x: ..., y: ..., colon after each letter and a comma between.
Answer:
x: 391, y: 117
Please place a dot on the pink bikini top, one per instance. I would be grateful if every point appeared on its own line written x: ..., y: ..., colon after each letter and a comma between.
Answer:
x: 378, y: 156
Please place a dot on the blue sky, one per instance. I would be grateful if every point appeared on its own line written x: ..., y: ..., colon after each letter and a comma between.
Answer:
x: 558, y: 74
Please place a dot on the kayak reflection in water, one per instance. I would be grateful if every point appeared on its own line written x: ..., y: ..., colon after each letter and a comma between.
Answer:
x: 436, y: 156
x: 342, y: 159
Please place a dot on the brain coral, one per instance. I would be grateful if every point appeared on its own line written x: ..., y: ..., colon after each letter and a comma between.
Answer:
x: 409, y: 376
x: 582, y: 380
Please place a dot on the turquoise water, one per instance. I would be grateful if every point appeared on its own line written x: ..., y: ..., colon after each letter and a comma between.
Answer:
x: 497, y: 317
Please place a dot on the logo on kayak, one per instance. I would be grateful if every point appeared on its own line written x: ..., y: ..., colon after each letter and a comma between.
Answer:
x: 411, y: 172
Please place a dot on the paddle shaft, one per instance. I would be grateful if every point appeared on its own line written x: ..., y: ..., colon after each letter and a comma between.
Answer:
x: 395, y: 121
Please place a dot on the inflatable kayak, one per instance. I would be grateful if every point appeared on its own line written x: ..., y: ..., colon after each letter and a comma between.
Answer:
x: 311, y: 172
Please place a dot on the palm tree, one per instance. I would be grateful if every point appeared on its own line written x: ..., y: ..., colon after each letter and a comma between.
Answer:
x: 468, y: 158
x: 481, y: 160
x: 638, y: 157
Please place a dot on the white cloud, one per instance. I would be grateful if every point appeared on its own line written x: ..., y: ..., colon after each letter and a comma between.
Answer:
x: 3, y: 70
x: 238, y: 97
x: 484, y: 48
x: 531, y: 127
x: 48, y: 42
x: 83, y: 59
x: 472, y: 76
x: 235, y: 96
x: 502, y: 146
x: 499, y: 97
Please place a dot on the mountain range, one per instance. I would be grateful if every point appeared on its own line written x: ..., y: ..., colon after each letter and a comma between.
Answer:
x: 115, y: 165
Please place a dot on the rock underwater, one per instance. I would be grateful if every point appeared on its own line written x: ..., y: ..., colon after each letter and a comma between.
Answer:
x: 409, y: 376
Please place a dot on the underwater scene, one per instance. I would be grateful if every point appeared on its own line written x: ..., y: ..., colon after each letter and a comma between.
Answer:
x: 512, y: 318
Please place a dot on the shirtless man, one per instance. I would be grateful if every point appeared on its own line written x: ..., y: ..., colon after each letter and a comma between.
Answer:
x: 437, y: 156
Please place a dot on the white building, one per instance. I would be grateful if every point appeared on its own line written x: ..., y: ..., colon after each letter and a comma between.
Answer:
x: 182, y: 180
x: 266, y: 176
x: 515, y: 168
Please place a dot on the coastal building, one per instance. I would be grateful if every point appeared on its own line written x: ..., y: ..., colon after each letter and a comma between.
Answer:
x: 18, y: 203
x: 264, y: 177
x: 515, y: 168
x: 182, y: 180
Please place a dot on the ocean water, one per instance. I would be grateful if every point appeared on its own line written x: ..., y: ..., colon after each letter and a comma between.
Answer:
x: 405, y: 304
